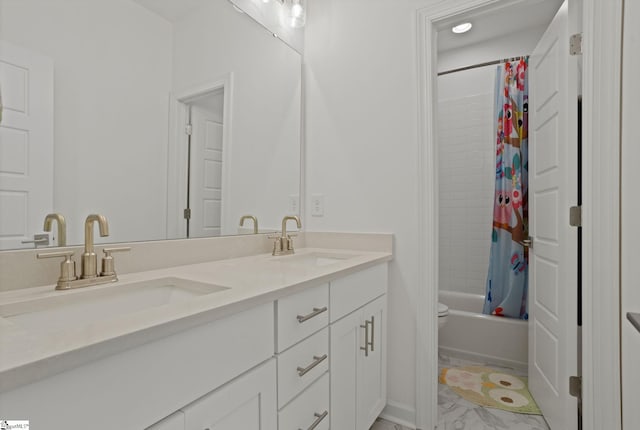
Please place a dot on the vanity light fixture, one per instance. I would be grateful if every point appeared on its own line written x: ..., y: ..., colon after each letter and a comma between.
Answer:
x: 462, y: 28
x: 298, y: 15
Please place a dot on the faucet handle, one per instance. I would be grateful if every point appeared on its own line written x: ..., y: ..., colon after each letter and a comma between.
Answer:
x: 67, y: 267
x: 108, y: 265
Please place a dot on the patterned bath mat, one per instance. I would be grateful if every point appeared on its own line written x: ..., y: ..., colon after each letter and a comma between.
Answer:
x: 491, y: 388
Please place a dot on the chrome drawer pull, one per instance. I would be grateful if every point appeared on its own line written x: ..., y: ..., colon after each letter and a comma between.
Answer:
x: 319, y: 418
x: 316, y: 312
x: 317, y: 360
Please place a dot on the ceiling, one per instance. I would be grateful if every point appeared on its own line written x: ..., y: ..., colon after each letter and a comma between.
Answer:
x: 171, y: 10
x: 494, y: 23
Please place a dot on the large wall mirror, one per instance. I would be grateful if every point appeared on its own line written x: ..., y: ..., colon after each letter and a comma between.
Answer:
x: 172, y: 118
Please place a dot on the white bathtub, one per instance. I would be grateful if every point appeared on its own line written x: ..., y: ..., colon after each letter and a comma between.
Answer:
x: 470, y: 334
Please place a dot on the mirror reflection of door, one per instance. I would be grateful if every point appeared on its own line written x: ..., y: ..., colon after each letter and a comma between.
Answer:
x: 26, y: 144
x: 205, y: 160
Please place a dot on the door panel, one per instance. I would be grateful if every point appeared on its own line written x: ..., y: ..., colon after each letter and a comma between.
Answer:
x: 346, y: 339
x: 26, y: 144
x: 372, y: 391
x: 206, y: 170
x: 553, y: 258
x: 247, y: 403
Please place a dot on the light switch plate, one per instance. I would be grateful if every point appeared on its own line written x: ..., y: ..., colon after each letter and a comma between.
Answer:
x: 317, y: 205
x: 294, y: 204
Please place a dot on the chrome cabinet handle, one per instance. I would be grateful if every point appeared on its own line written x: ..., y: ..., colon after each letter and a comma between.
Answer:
x: 316, y: 312
x: 319, y: 418
x: 365, y: 348
x: 373, y: 326
x: 317, y: 360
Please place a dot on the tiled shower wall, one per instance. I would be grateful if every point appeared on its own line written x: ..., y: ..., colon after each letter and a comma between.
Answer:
x: 466, y: 175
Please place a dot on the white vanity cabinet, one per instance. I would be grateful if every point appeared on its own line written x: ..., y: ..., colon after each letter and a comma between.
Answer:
x: 248, y: 403
x: 358, y: 350
x: 312, y: 359
x: 174, y: 421
x: 302, y: 352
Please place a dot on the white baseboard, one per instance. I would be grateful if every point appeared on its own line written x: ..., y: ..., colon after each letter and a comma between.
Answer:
x: 400, y: 414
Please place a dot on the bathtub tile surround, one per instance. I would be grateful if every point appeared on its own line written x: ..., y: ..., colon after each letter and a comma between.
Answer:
x: 466, y: 175
x: 455, y: 413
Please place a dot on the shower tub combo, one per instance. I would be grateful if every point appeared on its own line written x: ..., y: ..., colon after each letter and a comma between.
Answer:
x: 470, y: 334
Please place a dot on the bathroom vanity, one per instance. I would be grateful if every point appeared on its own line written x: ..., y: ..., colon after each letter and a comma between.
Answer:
x: 255, y: 342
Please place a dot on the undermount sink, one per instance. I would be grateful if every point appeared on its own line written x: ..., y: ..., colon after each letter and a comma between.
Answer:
x: 105, y: 303
x: 316, y: 259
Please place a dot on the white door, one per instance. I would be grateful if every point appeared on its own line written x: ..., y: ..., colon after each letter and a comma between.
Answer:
x: 552, y: 190
x: 205, y: 198
x: 630, y: 207
x: 26, y: 144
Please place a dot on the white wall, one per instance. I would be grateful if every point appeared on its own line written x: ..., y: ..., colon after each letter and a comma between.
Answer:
x: 104, y: 52
x: 265, y: 117
x: 630, y: 293
x: 361, y: 149
x: 466, y: 151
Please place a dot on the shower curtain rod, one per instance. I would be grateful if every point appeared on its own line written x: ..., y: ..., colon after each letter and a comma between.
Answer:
x: 475, y: 66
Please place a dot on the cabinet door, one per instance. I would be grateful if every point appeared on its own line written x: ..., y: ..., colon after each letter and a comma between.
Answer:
x: 346, y: 339
x: 372, y: 372
x: 247, y: 403
x: 174, y: 421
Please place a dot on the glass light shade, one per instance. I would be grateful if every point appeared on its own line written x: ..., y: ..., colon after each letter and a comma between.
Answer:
x: 462, y: 28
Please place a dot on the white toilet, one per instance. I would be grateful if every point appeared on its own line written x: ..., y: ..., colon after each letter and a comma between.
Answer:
x: 443, y: 311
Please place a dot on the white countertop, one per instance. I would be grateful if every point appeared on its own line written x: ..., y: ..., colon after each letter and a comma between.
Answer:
x: 27, y: 355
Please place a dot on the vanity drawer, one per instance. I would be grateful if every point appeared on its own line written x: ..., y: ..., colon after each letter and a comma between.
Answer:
x: 300, y: 315
x: 310, y: 407
x: 299, y: 366
x: 353, y: 291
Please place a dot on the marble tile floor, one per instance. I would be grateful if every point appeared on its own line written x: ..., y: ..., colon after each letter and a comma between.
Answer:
x: 381, y: 424
x: 456, y: 413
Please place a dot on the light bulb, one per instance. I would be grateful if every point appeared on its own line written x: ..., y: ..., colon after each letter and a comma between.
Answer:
x: 297, y: 14
x: 462, y: 28
x: 296, y: 10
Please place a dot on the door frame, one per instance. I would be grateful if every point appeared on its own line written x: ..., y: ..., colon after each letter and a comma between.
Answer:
x: 602, y: 36
x: 177, y: 158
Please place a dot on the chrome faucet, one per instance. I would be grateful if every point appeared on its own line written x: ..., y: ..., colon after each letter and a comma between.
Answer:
x: 283, y: 244
x: 89, y: 276
x: 252, y: 218
x: 62, y: 227
x: 89, y: 258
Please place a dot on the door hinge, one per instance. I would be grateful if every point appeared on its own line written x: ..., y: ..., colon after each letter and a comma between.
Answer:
x: 188, y: 129
x: 528, y: 242
x: 575, y: 386
x: 575, y: 216
x: 187, y: 213
x: 575, y: 44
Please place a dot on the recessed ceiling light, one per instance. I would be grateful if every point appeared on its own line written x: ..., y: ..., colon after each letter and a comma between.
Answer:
x: 462, y: 28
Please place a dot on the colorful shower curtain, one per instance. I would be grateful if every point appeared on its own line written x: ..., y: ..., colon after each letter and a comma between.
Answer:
x: 506, y: 289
